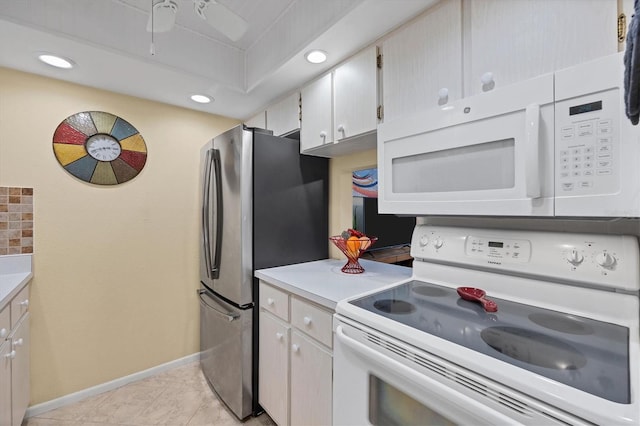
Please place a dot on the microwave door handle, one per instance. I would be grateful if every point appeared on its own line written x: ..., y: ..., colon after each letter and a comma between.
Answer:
x: 217, y: 165
x: 206, y: 226
x: 532, y: 151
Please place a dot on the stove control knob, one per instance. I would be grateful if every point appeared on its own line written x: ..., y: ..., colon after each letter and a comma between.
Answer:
x: 606, y: 260
x: 574, y: 257
x: 438, y: 243
x: 424, y: 240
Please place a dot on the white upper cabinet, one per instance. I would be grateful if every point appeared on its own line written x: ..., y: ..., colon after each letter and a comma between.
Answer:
x: 519, y: 39
x: 421, y: 59
x: 258, y: 120
x: 317, y: 114
x: 355, y: 90
x: 339, y: 111
x: 283, y: 117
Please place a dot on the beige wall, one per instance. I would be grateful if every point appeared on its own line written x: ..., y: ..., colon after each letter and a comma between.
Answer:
x: 340, y: 193
x: 116, y: 267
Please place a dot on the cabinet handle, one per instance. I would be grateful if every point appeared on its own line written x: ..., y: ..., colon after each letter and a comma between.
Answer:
x: 488, y: 83
x: 18, y: 342
x: 341, y: 129
x: 443, y: 96
x: 270, y: 301
x: 323, y: 135
x: 307, y: 320
x: 11, y: 355
x: 3, y: 333
x: 25, y: 303
x: 279, y: 336
x: 295, y: 347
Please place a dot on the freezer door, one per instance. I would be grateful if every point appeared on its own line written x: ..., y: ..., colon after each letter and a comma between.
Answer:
x: 226, y: 265
x: 226, y: 352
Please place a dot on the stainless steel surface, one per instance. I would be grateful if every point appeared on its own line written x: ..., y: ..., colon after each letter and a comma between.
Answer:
x: 229, y: 316
x: 246, y: 221
x: 206, y: 217
x: 212, y: 261
x: 227, y: 267
x: 226, y: 352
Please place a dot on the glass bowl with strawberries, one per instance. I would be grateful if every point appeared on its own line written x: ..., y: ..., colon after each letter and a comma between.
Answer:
x: 352, y: 243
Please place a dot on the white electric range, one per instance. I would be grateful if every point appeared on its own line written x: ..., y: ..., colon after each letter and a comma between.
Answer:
x: 562, y: 348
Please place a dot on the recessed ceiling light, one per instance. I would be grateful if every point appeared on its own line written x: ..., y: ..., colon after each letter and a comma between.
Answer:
x: 316, y: 56
x: 56, y: 61
x: 201, y: 99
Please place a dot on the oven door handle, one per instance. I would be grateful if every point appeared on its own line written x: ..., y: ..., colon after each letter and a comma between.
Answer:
x: 438, y: 389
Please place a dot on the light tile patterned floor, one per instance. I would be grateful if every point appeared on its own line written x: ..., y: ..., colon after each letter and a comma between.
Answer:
x: 177, y: 397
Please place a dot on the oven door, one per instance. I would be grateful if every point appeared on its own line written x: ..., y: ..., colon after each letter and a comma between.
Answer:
x: 378, y: 380
x: 490, y: 154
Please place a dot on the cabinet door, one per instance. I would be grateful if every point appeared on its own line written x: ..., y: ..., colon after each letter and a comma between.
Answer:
x: 5, y: 383
x: 356, y: 95
x: 421, y: 58
x: 284, y: 117
x: 259, y: 120
x: 311, y: 382
x: 520, y: 39
x: 273, y: 368
x: 316, y: 126
x: 20, y: 373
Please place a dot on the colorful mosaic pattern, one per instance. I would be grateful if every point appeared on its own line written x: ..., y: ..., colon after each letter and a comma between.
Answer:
x: 118, y: 139
x: 16, y: 220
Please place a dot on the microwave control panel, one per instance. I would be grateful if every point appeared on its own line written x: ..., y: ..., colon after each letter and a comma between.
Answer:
x: 587, y: 154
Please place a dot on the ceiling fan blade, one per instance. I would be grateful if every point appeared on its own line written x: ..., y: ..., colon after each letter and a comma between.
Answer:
x: 221, y: 18
x: 162, y: 16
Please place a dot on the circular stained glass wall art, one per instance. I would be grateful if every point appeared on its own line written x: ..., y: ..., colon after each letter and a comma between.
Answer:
x: 99, y: 148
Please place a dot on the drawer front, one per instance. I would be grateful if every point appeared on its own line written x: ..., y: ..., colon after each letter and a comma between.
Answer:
x: 312, y: 320
x: 274, y: 301
x: 5, y: 323
x: 19, y: 306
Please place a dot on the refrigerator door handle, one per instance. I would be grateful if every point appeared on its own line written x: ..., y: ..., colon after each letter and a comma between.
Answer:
x: 229, y: 316
x: 212, y: 260
x: 206, y: 189
x: 217, y: 165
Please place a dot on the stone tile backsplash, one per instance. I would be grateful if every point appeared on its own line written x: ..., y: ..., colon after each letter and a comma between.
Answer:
x: 16, y: 220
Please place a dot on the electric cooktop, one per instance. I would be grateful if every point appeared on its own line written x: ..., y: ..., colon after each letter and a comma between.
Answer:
x: 589, y: 355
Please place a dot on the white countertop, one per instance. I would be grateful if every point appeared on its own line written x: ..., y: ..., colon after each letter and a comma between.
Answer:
x: 323, y: 282
x: 15, y: 273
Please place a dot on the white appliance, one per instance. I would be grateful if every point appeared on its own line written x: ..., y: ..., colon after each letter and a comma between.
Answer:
x: 556, y: 145
x: 562, y: 349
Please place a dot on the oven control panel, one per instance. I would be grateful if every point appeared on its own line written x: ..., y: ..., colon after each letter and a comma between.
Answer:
x: 601, y: 260
x: 498, y: 249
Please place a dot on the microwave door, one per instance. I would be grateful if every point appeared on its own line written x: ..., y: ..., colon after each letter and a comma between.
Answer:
x: 498, y: 161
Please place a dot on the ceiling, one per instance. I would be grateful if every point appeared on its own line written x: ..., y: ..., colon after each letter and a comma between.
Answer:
x: 109, y: 43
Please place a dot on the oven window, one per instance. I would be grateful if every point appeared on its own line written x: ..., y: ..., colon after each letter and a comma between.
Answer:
x: 389, y: 406
x: 484, y: 166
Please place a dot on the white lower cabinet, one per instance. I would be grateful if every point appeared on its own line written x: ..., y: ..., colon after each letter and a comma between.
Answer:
x: 296, y: 360
x: 5, y: 383
x: 20, y: 373
x: 311, y: 381
x: 14, y: 359
x: 273, y: 367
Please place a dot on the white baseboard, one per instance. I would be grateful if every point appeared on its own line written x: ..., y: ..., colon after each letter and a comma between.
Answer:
x: 37, y: 409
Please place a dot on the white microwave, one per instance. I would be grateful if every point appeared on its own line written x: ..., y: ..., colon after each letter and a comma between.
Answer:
x: 555, y: 145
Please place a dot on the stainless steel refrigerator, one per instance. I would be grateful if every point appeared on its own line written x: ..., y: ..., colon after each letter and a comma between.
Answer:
x: 263, y: 205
